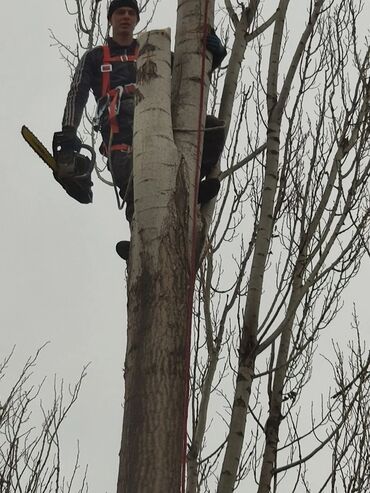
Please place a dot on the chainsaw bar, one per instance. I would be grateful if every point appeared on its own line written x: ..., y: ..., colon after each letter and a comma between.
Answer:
x: 38, y: 147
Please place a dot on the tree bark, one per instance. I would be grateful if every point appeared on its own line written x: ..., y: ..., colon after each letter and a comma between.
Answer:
x: 159, y: 278
x: 151, y: 449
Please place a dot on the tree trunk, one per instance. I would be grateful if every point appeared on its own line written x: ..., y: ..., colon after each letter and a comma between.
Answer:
x: 165, y: 190
x: 248, y: 343
x: 151, y: 449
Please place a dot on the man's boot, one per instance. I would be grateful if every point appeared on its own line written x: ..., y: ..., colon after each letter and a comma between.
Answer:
x: 208, y: 189
x: 123, y: 249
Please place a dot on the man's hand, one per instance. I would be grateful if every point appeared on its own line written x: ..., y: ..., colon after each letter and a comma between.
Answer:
x: 214, y: 45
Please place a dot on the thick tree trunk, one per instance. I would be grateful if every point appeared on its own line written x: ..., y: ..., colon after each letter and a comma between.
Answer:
x: 151, y: 450
x: 193, y: 18
x: 159, y: 278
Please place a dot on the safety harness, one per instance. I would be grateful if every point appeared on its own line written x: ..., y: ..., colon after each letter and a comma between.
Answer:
x: 110, y: 99
x: 110, y: 102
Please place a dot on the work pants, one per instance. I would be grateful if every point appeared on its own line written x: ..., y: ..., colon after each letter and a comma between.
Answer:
x: 121, y: 169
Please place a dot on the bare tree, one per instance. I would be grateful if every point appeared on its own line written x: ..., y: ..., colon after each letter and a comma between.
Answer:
x: 30, y: 452
x: 350, y: 453
x: 308, y: 197
x: 273, y: 255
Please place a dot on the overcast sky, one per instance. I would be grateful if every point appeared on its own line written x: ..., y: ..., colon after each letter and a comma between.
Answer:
x: 61, y: 280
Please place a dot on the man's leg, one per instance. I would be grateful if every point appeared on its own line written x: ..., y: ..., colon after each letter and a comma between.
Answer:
x: 214, y: 139
x: 121, y: 164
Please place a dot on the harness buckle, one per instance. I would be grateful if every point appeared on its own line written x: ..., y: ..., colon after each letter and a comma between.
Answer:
x: 106, y: 67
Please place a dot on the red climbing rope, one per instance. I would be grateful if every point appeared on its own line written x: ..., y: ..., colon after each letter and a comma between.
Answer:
x: 192, y: 275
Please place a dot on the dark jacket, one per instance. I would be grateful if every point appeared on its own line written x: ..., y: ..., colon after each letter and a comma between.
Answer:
x: 88, y: 76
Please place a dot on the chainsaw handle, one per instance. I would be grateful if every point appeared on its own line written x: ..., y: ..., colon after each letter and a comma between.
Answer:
x: 92, y: 152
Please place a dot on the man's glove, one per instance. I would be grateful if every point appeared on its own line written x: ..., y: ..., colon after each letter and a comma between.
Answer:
x: 214, y: 45
x: 73, y: 170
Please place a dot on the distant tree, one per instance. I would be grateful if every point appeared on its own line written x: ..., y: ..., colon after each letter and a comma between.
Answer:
x: 273, y: 255
x: 30, y: 452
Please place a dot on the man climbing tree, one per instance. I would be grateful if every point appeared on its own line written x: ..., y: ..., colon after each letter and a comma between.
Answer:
x: 296, y: 206
x: 110, y: 72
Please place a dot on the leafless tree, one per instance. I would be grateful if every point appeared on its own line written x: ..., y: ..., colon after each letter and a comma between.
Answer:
x: 273, y: 255
x: 30, y: 453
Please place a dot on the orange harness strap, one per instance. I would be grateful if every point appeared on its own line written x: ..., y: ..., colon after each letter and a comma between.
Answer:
x: 106, y: 67
x: 116, y: 93
x: 115, y: 147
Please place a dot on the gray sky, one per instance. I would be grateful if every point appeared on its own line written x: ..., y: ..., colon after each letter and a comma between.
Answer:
x: 61, y: 280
